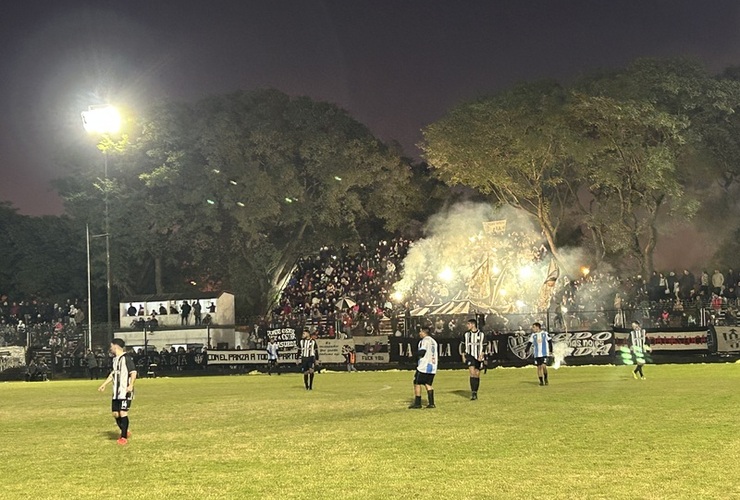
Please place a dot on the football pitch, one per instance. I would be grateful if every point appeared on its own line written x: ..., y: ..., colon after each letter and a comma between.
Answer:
x: 594, y: 432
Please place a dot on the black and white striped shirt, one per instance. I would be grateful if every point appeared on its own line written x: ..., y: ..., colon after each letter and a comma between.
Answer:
x: 123, y: 367
x: 308, y: 348
x: 637, y: 339
x: 474, y: 343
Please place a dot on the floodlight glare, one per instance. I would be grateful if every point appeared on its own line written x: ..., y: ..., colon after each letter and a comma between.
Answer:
x: 101, y: 120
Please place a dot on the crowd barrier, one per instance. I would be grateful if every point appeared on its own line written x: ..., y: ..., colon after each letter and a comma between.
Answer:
x: 510, y: 349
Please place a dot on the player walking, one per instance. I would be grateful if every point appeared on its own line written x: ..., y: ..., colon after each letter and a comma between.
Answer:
x: 309, y: 356
x: 637, y: 346
x: 426, y: 368
x: 272, y: 356
x: 123, y: 376
x: 474, y: 356
x: 541, y: 349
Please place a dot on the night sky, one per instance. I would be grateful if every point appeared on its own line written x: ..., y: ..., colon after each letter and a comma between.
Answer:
x: 395, y: 65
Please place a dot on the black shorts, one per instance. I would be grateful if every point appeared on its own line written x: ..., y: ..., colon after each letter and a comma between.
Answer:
x: 307, y: 363
x: 118, y: 405
x: 473, y: 361
x: 272, y: 362
x: 423, y: 378
x: 540, y: 361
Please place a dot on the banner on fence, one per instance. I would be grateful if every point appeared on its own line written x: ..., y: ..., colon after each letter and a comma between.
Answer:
x: 285, y: 338
x: 670, y: 341
x: 333, y: 351
x: 374, y: 349
x: 728, y: 338
x: 581, y: 344
x: 247, y: 357
x: 12, y: 357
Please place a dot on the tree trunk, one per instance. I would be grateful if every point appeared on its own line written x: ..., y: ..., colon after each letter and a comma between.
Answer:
x: 158, y: 275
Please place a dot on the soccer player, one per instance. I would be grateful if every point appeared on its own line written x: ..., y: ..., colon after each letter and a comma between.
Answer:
x: 541, y: 349
x: 474, y: 356
x: 637, y: 346
x: 309, y: 356
x: 272, y: 356
x: 123, y: 376
x: 426, y: 368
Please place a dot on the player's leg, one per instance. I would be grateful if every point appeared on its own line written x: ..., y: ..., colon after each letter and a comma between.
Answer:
x: 124, y: 425
x: 544, y: 373
x: 430, y: 395
x: 310, y: 378
x: 417, y: 392
x: 540, y: 374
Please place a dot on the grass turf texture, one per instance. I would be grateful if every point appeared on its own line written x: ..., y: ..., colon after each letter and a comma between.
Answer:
x: 593, y: 433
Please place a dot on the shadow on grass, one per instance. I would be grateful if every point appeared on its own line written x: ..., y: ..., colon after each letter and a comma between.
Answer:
x: 112, y: 435
x: 461, y: 393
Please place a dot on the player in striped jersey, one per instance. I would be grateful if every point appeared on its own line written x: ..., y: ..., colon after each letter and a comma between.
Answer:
x: 272, y: 356
x: 637, y: 346
x: 123, y: 376
x: 426, y: 368
x: 541, y: 349
x: 474, y: 356
x: 309, y: 356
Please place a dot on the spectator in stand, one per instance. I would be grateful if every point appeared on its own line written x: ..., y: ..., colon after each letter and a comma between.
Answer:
x: 212, y: 308
x: 704, y: 285
x: 91, y: 362
x: 131, y: 311
x: 686, y: 284
x: 162, y: 310
x: 718, y: 282
x: 141, y: 311
x: 173, y: 309
x: 185, y: 313
x: 196, y: 312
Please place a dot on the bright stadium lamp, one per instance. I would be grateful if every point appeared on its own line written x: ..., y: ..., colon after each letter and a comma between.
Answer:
x: 101, y: 120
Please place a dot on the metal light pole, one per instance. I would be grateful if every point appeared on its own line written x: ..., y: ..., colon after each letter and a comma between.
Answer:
x: 89, y: 290
x: 104, y: 120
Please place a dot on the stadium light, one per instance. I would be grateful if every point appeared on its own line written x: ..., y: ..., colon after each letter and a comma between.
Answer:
x: 525, y: 272
x: 101, y: 120
x: 397, y: 296
x: 104, y: 120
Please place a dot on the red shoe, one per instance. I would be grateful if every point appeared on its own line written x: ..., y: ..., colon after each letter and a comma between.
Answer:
x: 122, y: 441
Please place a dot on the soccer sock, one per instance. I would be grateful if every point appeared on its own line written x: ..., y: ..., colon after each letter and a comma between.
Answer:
x: 430, y: 394
x: 305, y: 379
x: 310, y: 381
x: 545, y: 376
x: 472, y: 384
x: 541, y: 379
x: 639, y: 367
x: 417, y: 400
x: 118, y: 422
x: 476, y: 384
x: 124, y: 426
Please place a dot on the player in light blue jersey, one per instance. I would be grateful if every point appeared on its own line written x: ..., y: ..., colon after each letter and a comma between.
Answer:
x: 541, y: 349
x: 426, y: 368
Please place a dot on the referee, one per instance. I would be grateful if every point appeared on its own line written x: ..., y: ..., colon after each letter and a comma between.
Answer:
x: 474, y: 356
x: 309, y: 356
x: 637, y: 346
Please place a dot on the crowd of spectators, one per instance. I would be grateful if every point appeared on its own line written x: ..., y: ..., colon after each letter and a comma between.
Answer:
x: 339, y: 291
x: 42, y: 324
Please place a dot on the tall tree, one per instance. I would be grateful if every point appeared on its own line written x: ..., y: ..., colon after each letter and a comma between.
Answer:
x: 514, y: 146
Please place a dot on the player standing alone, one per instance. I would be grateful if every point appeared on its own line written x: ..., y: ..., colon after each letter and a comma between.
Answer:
x: 426, y: 368
x: 637, y: 346
x: 541, y: 349
x: 123, y: 376
x: 474, y: 356
x: 309, y: 356
x: 272, y: 356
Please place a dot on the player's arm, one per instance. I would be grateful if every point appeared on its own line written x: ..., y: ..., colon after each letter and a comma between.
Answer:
x: 480, y: 350
x: 131, y: 367
x: 549, y: 342
x: 106, y: 382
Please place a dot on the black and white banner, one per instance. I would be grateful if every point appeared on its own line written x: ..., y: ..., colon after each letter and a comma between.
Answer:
x: 247, y: 357
x: 728, y: 338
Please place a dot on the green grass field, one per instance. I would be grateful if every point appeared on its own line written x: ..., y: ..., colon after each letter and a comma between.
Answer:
x: 593, y: 433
